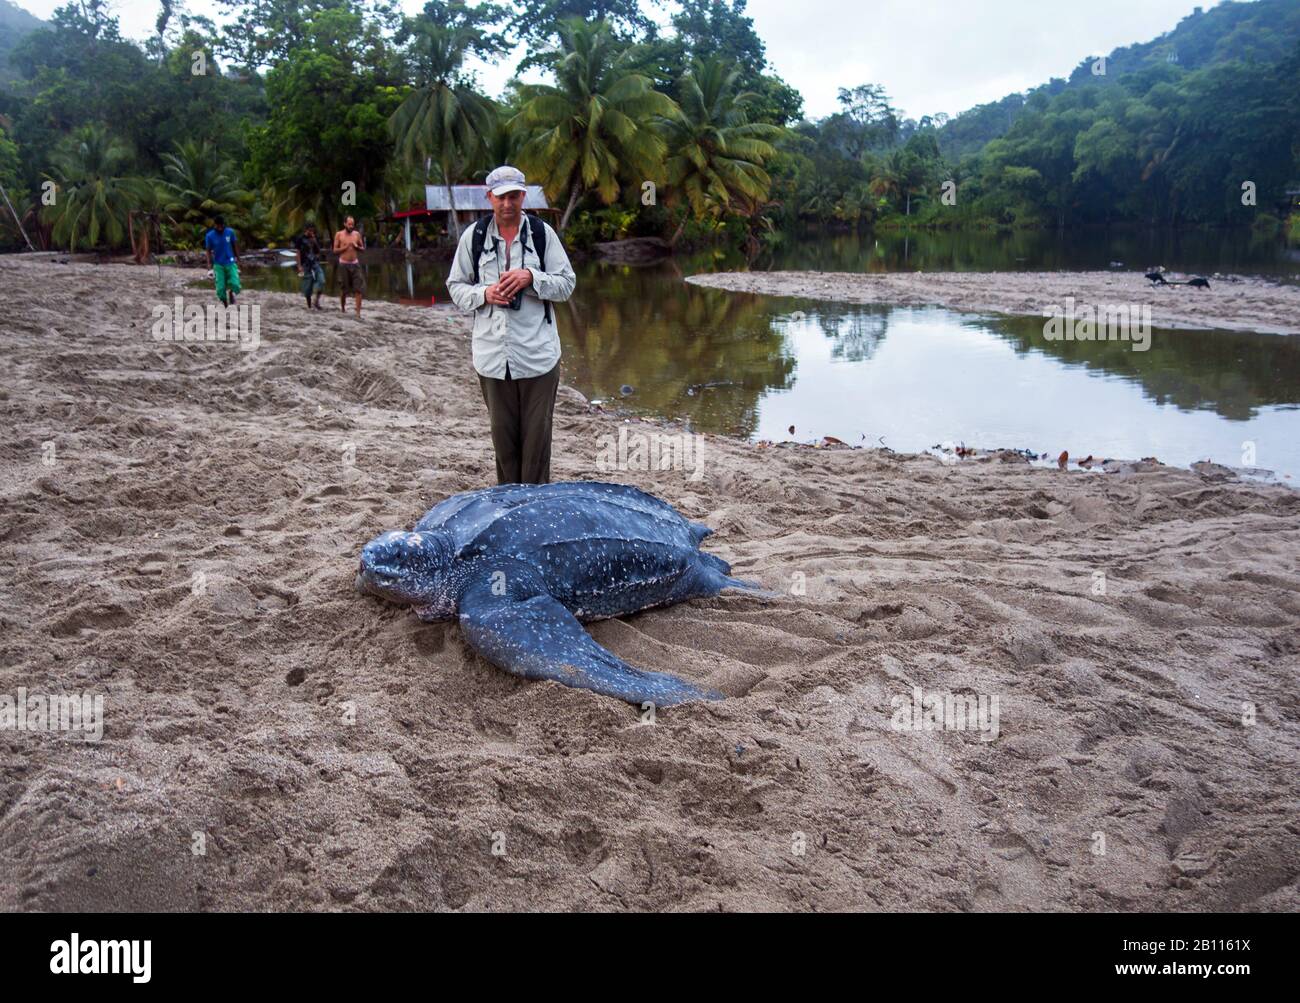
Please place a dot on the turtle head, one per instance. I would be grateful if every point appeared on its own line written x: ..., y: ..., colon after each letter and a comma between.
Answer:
x: 408, y: 568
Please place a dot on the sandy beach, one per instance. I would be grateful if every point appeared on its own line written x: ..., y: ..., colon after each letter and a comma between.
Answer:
x: 179, y: 530
x: 1235, y: 304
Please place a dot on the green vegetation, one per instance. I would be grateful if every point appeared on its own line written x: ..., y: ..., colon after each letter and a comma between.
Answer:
x: 595, y: 128
x: 90, y: 169
x: 442, y: 121
x: 325, y: 108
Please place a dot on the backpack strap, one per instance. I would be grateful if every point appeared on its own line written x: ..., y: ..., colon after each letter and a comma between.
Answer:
x: 535, y: 227
x: 477, y: 241
x: 538, y: 231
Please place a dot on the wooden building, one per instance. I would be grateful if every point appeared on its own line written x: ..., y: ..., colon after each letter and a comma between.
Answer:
x: 470, y: 203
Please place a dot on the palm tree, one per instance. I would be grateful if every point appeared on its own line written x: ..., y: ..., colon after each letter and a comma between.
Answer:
x: 93, y: 194
x: 144, y: 220
x: 817, y: 197
x: 197, y: 184
x: 887, y: 178
x: 718, y: 154
x: 442, y: 120
x: 403, y: 186
x: 503, y: 143
x: 591, y: 129
x: 854, y: 204
x: 293, y: 200
x: 902, y: 175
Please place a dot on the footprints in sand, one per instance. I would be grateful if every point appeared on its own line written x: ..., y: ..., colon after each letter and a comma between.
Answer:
x: 154, y: 565
x: 92, y: 619
x: 879, y: 611
x: 1119, y: 712
x: 585, y: 845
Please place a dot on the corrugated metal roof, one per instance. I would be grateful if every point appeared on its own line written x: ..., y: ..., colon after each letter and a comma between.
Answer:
x: 474, y: 197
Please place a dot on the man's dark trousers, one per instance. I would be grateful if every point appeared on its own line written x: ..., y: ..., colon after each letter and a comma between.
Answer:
x: 520, y: 412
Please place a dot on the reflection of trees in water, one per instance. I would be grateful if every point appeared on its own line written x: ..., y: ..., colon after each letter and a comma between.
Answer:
x: 646, y: 328
x: 855, y: 334
x: 640, y: 326
x: 830, y: 250
x: 1231, y: 373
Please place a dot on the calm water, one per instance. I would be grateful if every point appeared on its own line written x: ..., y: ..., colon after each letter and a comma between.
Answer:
x: 910, y: 378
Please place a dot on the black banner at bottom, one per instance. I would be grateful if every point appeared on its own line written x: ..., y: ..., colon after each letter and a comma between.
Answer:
x: 339, y: 951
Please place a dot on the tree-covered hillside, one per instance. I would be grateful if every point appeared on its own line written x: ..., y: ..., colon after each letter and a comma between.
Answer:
x: 14, y: 24
x: 1265, y: 31
x: 298, y: 109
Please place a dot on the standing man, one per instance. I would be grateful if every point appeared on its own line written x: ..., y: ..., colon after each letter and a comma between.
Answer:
x: 348, y: 243
x: 223, y: 260
x: 309, y: 266
x: 509, y: 268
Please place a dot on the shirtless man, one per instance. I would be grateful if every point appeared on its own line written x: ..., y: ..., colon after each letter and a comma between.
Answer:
x: 347, y: 243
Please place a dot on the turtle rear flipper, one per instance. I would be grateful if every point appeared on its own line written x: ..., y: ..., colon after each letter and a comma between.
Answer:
x: 537, y: 638
x: 716, y: 573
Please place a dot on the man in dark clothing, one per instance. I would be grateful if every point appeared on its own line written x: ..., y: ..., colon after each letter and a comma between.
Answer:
x: 309, y: 264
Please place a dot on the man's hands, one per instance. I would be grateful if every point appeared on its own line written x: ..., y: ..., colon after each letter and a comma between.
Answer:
x: 510, y: 283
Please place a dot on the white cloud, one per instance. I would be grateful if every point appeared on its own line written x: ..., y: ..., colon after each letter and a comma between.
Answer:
x: 946, y: 55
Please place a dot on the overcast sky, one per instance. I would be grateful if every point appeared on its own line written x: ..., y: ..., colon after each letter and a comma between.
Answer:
x: 931, y: 55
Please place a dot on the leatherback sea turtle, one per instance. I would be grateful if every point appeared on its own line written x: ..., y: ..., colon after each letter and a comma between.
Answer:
x: 521, y: 565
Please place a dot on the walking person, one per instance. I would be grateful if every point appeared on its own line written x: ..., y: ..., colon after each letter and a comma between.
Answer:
x: 509, y: 269
x: 309, y: 266
x: 348, y: 245
x: 223, y: 260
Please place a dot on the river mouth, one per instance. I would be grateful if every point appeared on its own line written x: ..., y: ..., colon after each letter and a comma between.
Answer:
x: 909, y: 378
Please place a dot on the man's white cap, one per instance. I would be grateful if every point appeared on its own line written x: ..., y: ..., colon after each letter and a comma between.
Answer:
x: 506, y: 179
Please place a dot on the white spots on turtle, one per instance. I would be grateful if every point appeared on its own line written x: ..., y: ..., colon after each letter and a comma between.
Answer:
x: 601, y: 550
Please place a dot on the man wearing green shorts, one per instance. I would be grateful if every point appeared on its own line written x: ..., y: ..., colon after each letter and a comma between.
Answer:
x: 223, y: 260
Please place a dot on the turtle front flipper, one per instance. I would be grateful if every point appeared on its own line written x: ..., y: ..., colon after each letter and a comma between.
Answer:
x: 535, y: 637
